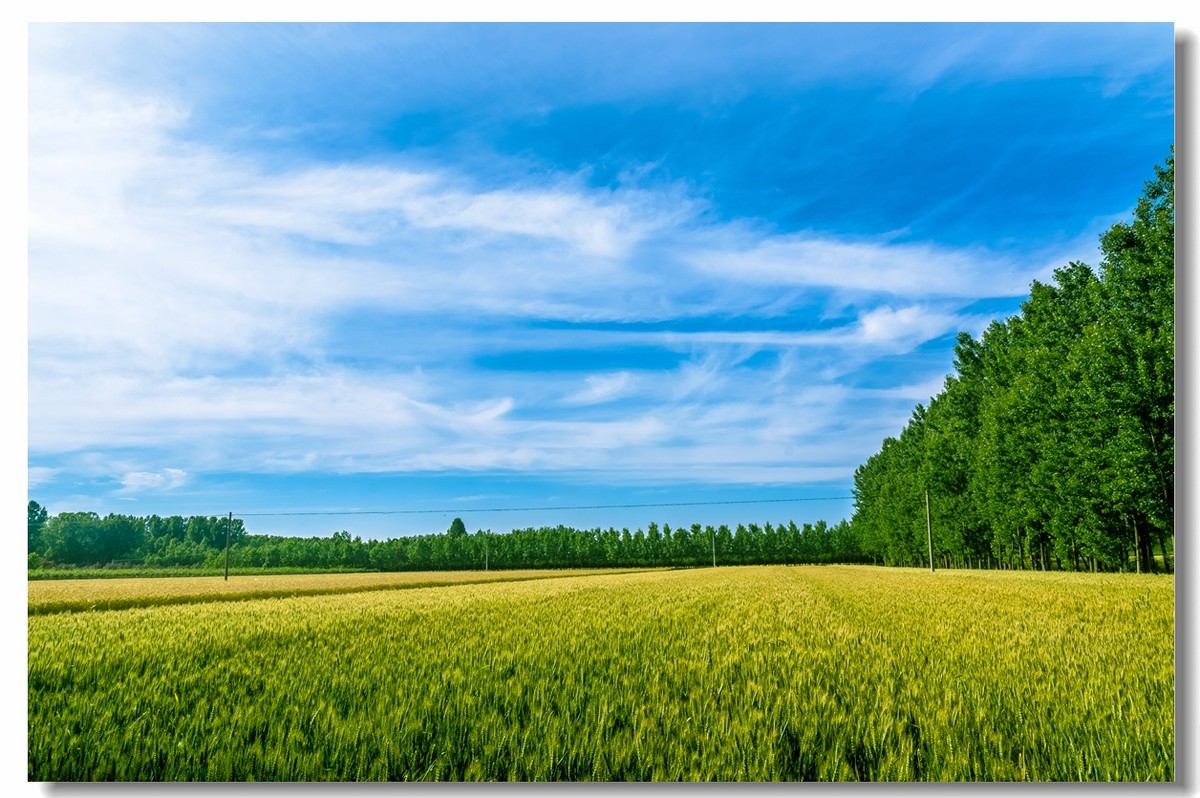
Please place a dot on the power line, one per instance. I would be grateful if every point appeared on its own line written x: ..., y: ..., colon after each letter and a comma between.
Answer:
x: 463, y: 511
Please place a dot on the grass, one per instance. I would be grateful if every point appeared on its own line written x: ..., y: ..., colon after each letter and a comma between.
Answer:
x: 731, y: 674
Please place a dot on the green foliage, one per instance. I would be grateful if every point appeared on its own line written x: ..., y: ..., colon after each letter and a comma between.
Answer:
x: 1052, y: 444
x: 85, y: 540
x: 73, y: 538
x: 37, y: 521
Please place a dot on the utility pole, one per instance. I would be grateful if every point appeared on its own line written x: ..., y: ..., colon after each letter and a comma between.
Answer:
x: 929, y: 530
x: 714, y: 542
x: 228, y: 535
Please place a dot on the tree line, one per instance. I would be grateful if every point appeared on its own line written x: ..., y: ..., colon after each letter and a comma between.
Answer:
x: 1051, y: 446
x: 87, y: 539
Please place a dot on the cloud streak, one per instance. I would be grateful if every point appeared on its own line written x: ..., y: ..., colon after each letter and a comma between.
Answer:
x: 871, y: 267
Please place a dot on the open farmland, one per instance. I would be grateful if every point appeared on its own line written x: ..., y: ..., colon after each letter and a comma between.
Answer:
x: 752, y: 673
x: 46, y: 596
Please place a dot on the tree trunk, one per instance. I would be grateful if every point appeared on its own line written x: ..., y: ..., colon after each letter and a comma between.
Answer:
x: 1162, y: 544
x: 1147, y: 549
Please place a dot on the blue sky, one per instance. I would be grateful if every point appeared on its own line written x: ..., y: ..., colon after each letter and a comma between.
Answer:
x: 443, y: 269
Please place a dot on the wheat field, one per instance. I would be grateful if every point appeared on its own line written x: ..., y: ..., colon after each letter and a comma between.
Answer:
x: 74, y: 595
x: 762, y: 673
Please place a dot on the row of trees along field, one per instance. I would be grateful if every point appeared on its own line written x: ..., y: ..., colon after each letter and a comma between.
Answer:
x: 1052, y: 443
x: 82, y: 539
x: 88, y: 539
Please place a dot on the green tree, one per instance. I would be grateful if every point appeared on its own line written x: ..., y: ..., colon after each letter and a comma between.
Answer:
x: 1137, y: 382
x: 1052, y: 445
x: 37, y: 521
x: 72, y: 538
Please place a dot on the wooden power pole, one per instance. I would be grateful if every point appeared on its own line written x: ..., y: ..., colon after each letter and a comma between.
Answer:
x: 228, y: 535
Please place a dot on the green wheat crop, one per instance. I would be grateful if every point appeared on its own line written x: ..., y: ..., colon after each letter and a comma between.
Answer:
x: 754, y: 673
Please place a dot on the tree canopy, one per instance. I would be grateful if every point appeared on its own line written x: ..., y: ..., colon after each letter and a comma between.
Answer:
x: 83, y: 539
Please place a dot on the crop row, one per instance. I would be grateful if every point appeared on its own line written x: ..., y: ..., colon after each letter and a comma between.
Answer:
x: 76, y: 595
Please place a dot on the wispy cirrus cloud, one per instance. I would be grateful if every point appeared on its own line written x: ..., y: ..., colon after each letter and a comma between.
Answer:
x: 205, y: 256
x: 912, y: 270
x: 682, y: 268
x: 601, y: 388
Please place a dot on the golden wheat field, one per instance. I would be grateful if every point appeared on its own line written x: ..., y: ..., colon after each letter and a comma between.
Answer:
x: 46, y: 596
x: 729, y: 674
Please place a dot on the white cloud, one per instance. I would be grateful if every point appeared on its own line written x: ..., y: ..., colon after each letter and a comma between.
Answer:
x: 140, y: 481
x: 910, y: 393
x: 90, y: 412
x: 291, y: 463
x: 587, y: 226
x: 912, y: 324
x: 868, y: 267
x: 601, y: 388
x: 40, y: 475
